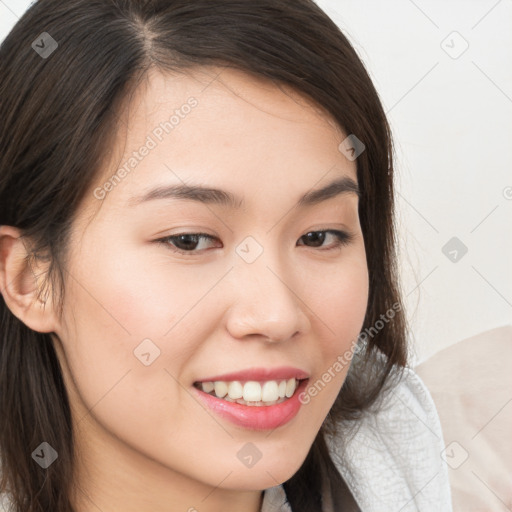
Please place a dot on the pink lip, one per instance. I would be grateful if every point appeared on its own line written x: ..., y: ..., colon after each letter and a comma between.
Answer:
x: 261, y: 374
x: 266, y: 417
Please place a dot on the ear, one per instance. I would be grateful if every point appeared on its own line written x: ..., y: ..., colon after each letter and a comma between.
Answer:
x: 21, y: 282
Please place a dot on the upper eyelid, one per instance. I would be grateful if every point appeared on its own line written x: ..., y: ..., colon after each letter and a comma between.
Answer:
x: 208, y: 235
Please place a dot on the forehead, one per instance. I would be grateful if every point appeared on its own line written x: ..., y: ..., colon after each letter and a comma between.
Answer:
x: 225, y: 128
x: 222, y: 87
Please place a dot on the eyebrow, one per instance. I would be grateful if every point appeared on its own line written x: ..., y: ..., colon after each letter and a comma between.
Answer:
x: 220, y: 197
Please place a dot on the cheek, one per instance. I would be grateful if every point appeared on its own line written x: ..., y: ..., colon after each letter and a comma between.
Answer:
x: 340, y: 308
x: 124, y: 309
x: 129, y: 292
x: 345, y: 301
x: 110, y: 310
x: 341, y: 301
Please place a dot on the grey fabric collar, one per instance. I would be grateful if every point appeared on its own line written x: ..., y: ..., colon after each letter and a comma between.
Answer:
x: 274, y: 500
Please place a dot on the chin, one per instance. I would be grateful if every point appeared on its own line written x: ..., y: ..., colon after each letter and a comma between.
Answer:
x: 262, y: 476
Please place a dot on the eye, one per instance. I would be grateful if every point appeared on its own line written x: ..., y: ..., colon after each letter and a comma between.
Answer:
x: 187, y: 242
x: 317, y: 238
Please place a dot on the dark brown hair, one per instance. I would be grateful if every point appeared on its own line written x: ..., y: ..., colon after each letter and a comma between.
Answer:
x: 59, y: 114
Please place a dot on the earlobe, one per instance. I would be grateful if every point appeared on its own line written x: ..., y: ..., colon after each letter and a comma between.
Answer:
x: 20, y: 283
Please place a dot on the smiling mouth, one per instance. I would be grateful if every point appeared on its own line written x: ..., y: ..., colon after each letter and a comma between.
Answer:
x: 251, y: 393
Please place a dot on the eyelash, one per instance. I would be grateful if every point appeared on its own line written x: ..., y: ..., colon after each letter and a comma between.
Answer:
x: 344, y: 239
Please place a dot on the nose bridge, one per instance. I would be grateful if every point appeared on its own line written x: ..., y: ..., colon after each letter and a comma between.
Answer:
x: 263, y: 300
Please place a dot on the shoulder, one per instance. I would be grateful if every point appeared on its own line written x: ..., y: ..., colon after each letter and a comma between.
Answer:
x: 470, y: 382
x: 391, y: 459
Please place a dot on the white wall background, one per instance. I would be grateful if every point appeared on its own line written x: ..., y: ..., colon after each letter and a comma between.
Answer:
x: 452, y: 121
x: 450, y: 108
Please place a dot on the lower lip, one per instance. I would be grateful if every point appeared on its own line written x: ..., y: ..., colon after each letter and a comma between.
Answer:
x: 265, y: 417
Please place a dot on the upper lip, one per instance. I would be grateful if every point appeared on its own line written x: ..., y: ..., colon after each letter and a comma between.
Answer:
x: 260, y: 374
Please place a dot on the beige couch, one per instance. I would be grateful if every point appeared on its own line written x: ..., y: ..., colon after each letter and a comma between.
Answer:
x: 471, y: 384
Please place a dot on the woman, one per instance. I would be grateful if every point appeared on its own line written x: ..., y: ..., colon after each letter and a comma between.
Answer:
x: 200, y: 302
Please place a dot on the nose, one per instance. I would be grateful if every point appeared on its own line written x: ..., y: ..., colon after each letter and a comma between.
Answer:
x: 264, y: 301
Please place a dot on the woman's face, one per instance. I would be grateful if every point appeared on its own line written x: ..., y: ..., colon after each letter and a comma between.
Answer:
x: 265, y: 293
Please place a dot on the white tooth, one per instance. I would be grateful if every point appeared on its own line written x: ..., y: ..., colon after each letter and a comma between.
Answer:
x: 252, y: 391
x: 235, y: 390
x: 269, y: 391
x: 221, y: 389
x: 282, y: 389
x: 207, y: 386
x: 290, y: 387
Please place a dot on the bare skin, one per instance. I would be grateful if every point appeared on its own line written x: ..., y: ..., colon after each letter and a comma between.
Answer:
x: 145, y: 444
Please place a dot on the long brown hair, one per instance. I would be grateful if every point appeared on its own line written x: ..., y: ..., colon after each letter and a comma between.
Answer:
x: 59, y: 114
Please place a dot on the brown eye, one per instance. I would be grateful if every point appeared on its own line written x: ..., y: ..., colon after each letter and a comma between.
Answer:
x: 317, y: 238
x: 187, y: 242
